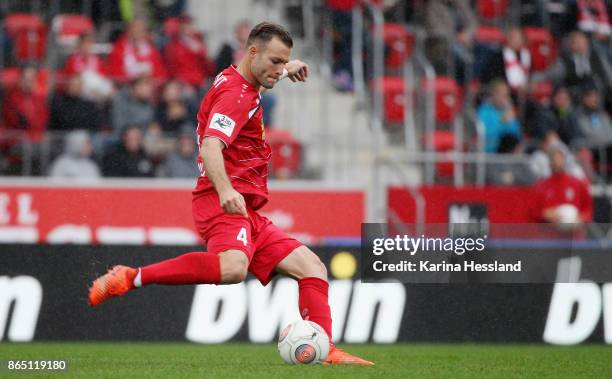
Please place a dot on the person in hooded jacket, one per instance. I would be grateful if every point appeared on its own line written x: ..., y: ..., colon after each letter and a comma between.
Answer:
x: 76, y: 160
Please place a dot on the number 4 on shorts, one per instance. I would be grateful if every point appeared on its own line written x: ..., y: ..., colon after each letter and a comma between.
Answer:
x: 242, y: 236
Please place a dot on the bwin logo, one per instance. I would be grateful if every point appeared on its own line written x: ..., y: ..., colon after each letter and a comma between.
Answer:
x: 25, y: 292
x: 563, y: 325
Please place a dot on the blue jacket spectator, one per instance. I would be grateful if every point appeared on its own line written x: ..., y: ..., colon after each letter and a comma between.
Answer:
x: 498, y: 116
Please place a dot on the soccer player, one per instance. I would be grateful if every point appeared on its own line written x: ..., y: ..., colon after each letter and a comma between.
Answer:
x: 234, y: 161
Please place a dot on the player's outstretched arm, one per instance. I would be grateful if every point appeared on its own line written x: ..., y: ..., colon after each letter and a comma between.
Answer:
x: 297, y: 71
x: 231, y: 200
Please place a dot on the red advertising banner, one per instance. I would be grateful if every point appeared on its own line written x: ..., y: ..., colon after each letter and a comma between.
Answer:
x: 149, y: 214
x: 441, y: 203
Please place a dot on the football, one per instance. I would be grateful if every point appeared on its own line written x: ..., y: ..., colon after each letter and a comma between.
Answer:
x: 303, y: 342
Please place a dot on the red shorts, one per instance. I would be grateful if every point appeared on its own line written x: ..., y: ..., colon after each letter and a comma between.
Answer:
x: 264, y: 244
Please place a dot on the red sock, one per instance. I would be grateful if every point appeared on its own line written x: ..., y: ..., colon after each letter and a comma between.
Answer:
x: 190, y: 268
x: 313, y: 303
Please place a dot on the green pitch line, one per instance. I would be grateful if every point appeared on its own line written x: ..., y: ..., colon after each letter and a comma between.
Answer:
x: 173, y: 360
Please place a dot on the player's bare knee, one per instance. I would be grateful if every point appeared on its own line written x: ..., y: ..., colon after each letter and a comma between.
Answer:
x: 313, y: 267
x: 234, y: 266
x: 318, y: 269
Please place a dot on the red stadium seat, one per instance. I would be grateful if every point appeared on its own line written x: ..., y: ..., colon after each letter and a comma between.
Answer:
x: 442, y: 141
x: 448, y: 98
x: 9, y: 77
x: 68, y: 27
x: 393, y: 89
x: 28, y: 33
x: 492, y: 9
x: 399, y: 42
x: 490, y: 35
x: 286, y: 153
x: 542, y: 46
x: 342, y: 5
x: 541, y: 91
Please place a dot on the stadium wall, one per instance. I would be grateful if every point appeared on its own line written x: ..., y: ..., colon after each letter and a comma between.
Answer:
x: 43, y: 296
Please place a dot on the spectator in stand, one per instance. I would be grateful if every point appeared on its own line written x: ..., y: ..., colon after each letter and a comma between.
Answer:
x: 462, y: 48
x: 128, y: 158
x: 512, y: 63
x: 173, y: 111
x: 25, y: 107
x: 540, y: 159
x: 558, y: 117
x: 181, y: 163
x: 89, y: 66
x: 186, y: 56
x: 71, y: 110
x: 509, y: 173
x: 561, y: 198
x: 498, y: 116
x: 134, y: 105
x: 83, y: 58
x: 591, y: 17
x: 163, y: 9
x: 579, y: 67
x: 76, y: 160
x: 232, y: 51
x: 134, y: 55
x: 445, y: 21
x: 594, y: 123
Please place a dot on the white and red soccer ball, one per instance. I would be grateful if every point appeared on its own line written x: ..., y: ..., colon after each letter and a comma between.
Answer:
x: 303, y: 342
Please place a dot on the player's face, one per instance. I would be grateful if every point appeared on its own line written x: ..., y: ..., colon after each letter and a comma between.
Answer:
x: 268, y: 62
x: 557, y: 162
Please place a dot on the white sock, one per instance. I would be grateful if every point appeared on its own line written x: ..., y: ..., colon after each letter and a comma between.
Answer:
x: 138, y: 280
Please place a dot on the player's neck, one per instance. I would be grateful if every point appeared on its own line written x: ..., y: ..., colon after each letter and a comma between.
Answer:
x: 245, y: 71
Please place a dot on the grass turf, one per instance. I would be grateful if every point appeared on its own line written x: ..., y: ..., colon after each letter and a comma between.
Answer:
x: 183, y: 360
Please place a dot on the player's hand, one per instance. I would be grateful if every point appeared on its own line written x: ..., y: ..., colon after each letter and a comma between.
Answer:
x: 297, y: 70
x: 233, y: 202
x: 551, y: 215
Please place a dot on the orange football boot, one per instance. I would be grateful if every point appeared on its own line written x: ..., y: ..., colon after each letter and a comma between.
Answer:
x: 339, y: 357
x: 116, y: 282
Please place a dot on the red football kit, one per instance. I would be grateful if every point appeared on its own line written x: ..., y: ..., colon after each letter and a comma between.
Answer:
x: 562, y: 189
x: 231, y: 112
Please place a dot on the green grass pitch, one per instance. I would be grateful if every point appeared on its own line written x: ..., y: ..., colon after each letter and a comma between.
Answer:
x: 183, y: 360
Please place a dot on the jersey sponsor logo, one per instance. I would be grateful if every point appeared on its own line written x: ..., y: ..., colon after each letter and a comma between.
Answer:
x: 222, y: 123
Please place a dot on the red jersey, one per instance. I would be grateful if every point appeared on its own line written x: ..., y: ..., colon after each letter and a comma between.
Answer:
x: 231, y: 111
x: 77, y: 63
x: 562, y: 189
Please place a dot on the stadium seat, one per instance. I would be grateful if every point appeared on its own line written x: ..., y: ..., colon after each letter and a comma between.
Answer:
x: 399, y: 42
x: 542, y: 46
x: 342, y: 5
x: 286, y: 153
x: 68, y: 27
x: 28, y: 33
x: 492, y: 9
x: 490, y: 35
x: 541, y: 91
x: 448, y: 98
x: 442, y: 141
x: 9, y: 77
x: 393, y: 90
